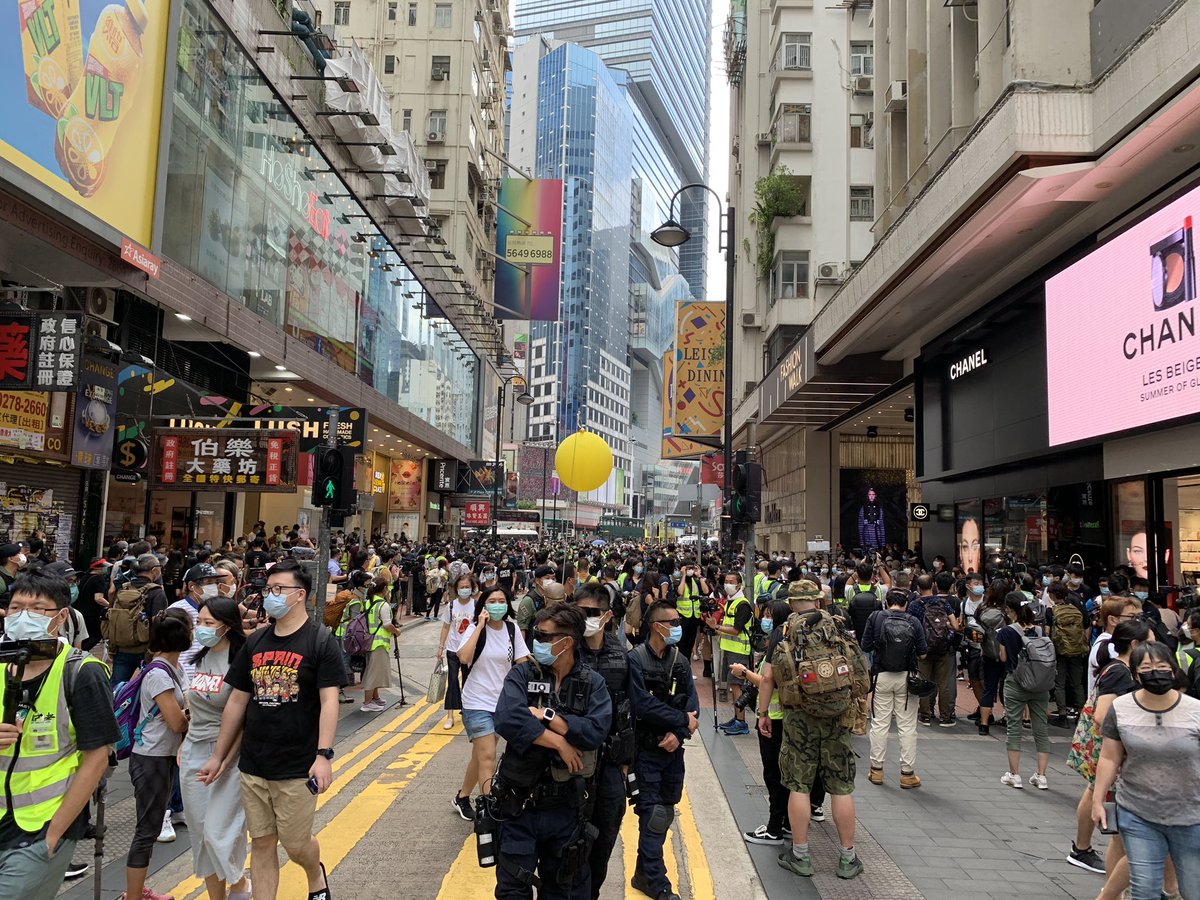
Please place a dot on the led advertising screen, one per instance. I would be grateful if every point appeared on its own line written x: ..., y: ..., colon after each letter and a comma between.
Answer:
x: 1128, y: 309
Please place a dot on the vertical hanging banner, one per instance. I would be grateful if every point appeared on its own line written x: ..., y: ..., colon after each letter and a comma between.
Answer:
x: 675, y: 447
x: 698, y: 392
x: 531, y: 248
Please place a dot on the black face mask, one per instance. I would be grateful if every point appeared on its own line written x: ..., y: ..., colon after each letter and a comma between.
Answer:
x: 1157, y: 682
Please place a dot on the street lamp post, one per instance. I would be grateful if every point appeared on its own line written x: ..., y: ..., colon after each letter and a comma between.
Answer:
x: 672, y: 234
x: 524, y: 398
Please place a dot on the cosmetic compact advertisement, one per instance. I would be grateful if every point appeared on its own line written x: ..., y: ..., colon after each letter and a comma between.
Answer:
x: 1129, y: 309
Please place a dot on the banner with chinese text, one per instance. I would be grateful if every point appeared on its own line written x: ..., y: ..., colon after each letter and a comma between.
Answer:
x: 477, y: 513
x: 40, y: 351
x: 224, y: 460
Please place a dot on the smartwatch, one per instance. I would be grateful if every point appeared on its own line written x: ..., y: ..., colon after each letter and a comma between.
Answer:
x: 326, y: 752
x: 548, y: 716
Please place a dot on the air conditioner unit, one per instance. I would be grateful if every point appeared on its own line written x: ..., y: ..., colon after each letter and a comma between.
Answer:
x: 829, y: 273
x: 439, y: 75
x: 436, y: 137
x: 751, y: 320
x: 764, y: 138
x: 102, y: 304
x: 896, y: 98
x: 431, y: 165
x: 863, y: 84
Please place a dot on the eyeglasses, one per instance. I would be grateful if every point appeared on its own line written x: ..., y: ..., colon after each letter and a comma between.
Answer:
x: 13, y: 609
x: 277, y: 590
x: 546, y: 637
x: 670, y: 623
x: 1166, y: 669
x: 1128, y: 616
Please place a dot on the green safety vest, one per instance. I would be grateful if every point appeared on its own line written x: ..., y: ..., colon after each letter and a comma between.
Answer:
x: 759, y: 578
x: 349, y: 611
x: 375, y: 621
x: 48, y: 759
x: 739, y: 643
x: 687, y: 604
x: 774, y: 710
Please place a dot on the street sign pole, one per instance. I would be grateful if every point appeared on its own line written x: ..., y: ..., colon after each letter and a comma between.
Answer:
x: 324, y: 538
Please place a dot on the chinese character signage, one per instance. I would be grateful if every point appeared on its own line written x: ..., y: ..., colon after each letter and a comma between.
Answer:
x: 478, y: 512
x: 224, y: 460
x: 95, y: 412
x: 40, y: 351
x: 480, y: 477
x: 445, y: 475
x: 23, y: 419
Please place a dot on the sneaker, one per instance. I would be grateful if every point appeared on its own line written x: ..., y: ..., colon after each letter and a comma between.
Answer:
x: 984, y: 730
x: 1039, y: 782
x: 761, y: 835
x: 76, y: 870
x: 797, y: 865
x: 925, y: 720
x: 1000, y: 723
x: 368, y: 707
x: 728, y: 724
x: 167, y: 834
x: 449, y: 723
x: 947, y: 723
x: 179, y: 819
x: 875, y: 776
x: 974, y: 717
x: 380, y: 704
x: 1027, y: 725
x: 1012, y: 780
x: 738, y: 727
x: 462, y: 805
x: 1086, y: 859
x: 849, y: 868
x: 816, y: 814
x: 342, y: 698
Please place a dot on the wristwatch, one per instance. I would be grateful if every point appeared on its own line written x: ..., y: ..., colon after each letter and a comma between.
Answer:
x: 326, y: 752
x: 548, y: 716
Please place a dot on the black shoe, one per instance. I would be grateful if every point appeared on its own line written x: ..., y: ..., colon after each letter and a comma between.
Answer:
x: 323, y: 893
x: 974, y: 717
x: 1086, y: 859
x: 927, y: 721
x: 639, y: 883
x: 1027, y: 725
x: 984, y: 730
x: 462, y: 806
x: 76, y: 870
x: 707, y: 673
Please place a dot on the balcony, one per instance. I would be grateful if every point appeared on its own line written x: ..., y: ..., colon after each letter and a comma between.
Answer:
x: 735, y: 43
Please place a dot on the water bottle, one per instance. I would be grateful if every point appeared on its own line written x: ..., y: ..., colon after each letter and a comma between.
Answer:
x: 485, y: 834
x: 631, y: 785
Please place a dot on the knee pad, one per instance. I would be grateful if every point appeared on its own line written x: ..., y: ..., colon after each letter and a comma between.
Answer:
x: 660, y: 819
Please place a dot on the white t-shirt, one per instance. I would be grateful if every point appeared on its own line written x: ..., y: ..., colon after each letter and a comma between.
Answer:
x: 1091, y: 663
x: 185, y: 658
x: 460, y: 616
x: 486, y: 680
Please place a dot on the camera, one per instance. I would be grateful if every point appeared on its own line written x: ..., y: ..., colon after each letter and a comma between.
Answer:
x: 749, y: 697
x: 708, y: 606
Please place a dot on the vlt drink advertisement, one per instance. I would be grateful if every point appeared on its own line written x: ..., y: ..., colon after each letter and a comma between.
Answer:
x: 81, y: 100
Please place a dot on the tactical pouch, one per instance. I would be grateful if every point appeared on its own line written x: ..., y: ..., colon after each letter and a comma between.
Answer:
x: 575, y: 854
x: 560, y: 773
x: 620, y: 747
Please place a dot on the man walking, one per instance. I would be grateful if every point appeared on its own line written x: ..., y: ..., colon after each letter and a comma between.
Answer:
x: 897, y: 640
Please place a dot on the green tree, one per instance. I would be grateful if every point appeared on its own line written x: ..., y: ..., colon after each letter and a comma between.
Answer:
x: 777, y: 194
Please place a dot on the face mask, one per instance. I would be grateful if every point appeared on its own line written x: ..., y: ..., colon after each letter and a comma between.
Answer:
x: 208, y: 591
x: 1074, y: 582
x: 674, y: 635
x: 824, y: 571
x: 1046, y: 580
x: 638, y: 570
x: 767, y: 625
x: 593, y: 627
x: 1105, y: 592
x: 489, y: 576
x: 464, y: 593
x: 22, y: 559
x: 497, y: 610
x: 977, y: 590
x: 74, y: 592
x: 276, y: 606
x: 1157, y: 682
x: 207, y: 636
x: 27, y: 626
x: 1187, y: 633
x: 543, y: 653
x: 731, y: 589
x: 1141, y: 595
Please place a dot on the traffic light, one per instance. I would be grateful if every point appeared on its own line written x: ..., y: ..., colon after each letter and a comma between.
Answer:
x: 333, y: 481
x: 746, y: 495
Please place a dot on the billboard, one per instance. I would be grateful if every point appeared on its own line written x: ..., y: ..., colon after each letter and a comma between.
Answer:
x: 534, y: 244
x: 404, y: 489
x: 675, y: 447
x: 86, y: 124
x: 1131, y: 303
x: 224, y: 460
x: 477, y: 513
x: 698, y: 382
x: 480, y: 477
x: 874, y: 508
x: 40, y: 350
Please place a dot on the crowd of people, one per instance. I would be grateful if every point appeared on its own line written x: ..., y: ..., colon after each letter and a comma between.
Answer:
x: 211, y: 674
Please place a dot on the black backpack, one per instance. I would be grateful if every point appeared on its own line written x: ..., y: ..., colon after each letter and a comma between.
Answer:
x: 862, y: 604
x: 895, y: 642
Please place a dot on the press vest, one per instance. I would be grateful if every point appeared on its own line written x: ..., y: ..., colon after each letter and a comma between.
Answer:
x: 759, y: 578
x: 375, y: 622
x: 47, y: 758
x: 739, y: 643
x: 687, y: 602
x: 349, y: 611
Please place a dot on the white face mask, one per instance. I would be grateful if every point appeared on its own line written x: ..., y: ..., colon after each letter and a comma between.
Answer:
x: 593, y: 627
x: 208, y: 591
x: 22, y: 559
x: 731, y: 589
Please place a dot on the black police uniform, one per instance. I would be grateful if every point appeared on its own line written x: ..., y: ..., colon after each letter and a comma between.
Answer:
x: 549, y: 816
x: 612, y: 663
x: 663, y: 693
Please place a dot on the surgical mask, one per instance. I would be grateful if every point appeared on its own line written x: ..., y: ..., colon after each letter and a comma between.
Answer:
x: 1157, y: 682
x: 1141, y: 595
x: 1074, y: 582
x: 767, y: 625
x: 208, y: 591
x: 74, y: 592
x: 907, y: 571
x: 207, y: 635
x: 276, y: 606
x: 1105, y: 592
x: 22, y: 559
x: 543, y: 653
x: 824, y: 571
x: 497, y: 610
x: 27, y: 625
x: 593, y: 627
x: 638, y: 570
x: 977, y: 590
x: 489, y: 576
x: 731, y: 589
x: 1046, y: 580
x: 464, y: 593
x: 674, y: 635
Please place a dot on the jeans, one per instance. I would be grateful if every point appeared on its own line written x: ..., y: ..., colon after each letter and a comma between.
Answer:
x: 892, y: 698
x: 1147, y: 845
x: 1069, y: 683
x: 939, y: 670
x: 124, y: 665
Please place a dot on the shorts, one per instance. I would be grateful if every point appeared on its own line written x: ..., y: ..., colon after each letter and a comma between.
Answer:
x: 813, y: 747
x: 975, y: 666
x: 283, y: 808
x: 478, y: 723
x: 728, y: 659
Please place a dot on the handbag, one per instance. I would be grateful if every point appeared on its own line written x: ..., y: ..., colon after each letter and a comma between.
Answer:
x: 1084, y: 754
x: 437, y: 684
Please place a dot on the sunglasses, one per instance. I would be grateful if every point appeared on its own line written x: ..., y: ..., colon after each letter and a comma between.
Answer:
x: 547, y: 637
x: 670, y: 623
x: 590, y: 612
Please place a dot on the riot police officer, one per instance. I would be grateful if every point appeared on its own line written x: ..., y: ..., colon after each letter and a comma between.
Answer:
x: 554, y: 714
x: 604, y: 651
x: 666, y: 708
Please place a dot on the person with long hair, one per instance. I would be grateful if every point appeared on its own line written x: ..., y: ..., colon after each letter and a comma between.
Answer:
x: 992, y: 616
x: 458, y: 618
x: 1021, y: 626
x: 381, y: 622
x: 216, y: 819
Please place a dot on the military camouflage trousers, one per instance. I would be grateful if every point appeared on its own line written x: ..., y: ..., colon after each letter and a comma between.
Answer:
x: 815, y: 746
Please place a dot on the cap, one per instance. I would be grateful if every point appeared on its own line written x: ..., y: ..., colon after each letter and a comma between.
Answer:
x: 199, y: 572
x: 804, y: 590
x: 98, y: 563
x: 543, y: 570
x: 9, y: 550
x: 146, y: 562
x: 61, y: 570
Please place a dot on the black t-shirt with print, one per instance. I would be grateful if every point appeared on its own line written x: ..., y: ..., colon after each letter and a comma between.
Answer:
x: 284, y: 677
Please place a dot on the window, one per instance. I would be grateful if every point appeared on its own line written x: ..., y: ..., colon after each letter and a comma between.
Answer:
x: 797, y: 51
x: 474, y: 134
x: 341, y: 12
x: 862, y: 58
x: 794, y: 125
x: 862, y: 204
x: 389, y: 64
x: 412, y: 15
x: 441, y: 15
x: 391, y: 12
x: 861, y: 131
x: 474, y: 82
x: 440, y: 69
x: 406, y: 120
x: 437, y: 121
x: 790, y: 276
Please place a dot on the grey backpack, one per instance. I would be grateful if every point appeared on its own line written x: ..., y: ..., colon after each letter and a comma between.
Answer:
x: 1035, y: 664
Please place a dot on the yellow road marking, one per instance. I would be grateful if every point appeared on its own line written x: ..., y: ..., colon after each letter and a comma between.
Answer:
x: 466, y: 880
x: 190, y: 885
x: 699, y: 874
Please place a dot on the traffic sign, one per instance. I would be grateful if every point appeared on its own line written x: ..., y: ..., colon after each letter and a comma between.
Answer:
x: 918, y: 512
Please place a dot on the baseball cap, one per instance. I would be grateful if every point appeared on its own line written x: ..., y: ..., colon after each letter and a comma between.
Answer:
x: 804, y: 590
x: 7, y: 551
x: 554, y: 591
x: 200, y: 571
x: 542, y: 571
x: 61, y: 570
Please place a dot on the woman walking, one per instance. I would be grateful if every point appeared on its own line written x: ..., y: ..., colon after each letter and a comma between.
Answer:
x: 378, y: 672
x: 458, y: 618
x: 216, y: 820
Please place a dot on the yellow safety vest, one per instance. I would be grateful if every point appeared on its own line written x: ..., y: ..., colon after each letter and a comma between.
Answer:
x: 349, y: 611
x: 687, y: 604
x: 774, y: 710
x: 759, y: 579
x: 375, y: 620
x: 48, y: 758
x: 739, y: 643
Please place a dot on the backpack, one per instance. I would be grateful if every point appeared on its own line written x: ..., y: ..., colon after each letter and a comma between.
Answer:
x: 1036, y: 663
x: 820, y: 671
x: 895, y: 640
x: 127, y: 705
x: 333, y: 609
x: 357, y: 638
x: 991, y: 620
x: 937, y: 628
x: 433, y: 581
x: 127, y: 624
x: 512, y: 643
x: 862, y: 604
x: 1068, y: 635
x: 770, y: 591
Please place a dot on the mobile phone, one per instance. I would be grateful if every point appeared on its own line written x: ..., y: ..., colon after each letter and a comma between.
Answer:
x: 1110, y: 818
x: 311, y: 784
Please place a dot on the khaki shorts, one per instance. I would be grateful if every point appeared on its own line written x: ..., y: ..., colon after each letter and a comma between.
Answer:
x: 283, y: 808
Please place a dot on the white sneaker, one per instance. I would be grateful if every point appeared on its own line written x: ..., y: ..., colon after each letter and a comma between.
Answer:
x: 449, y: 723
x: 167, y: 834
x: 1039, y: 782
x: 179, y: 818
x: 368, y: 708
x: 1012, y: 780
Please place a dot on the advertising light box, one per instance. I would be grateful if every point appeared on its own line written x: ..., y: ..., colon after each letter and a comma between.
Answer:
x: 1121, y: 345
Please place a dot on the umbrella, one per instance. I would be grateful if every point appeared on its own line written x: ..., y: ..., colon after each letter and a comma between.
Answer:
x: 599, y: 543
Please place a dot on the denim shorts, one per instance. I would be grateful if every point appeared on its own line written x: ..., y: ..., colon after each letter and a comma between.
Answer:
x: 478, y: 723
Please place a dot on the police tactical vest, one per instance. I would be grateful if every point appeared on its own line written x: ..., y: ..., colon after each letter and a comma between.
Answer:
x: 613, y: 665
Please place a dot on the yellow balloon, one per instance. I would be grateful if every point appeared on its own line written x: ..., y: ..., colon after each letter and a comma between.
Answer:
x: 583, y: 461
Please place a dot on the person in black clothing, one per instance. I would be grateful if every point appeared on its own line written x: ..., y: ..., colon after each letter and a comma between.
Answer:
x: 147, y: 576
x: 92, y: 601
